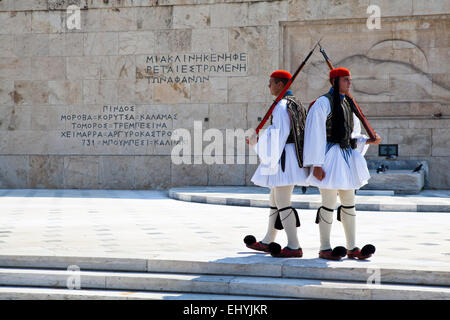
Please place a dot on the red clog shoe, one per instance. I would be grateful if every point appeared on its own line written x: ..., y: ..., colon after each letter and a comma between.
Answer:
x: 250, y: 242
x: 276, y: 251
x: 366, y: 252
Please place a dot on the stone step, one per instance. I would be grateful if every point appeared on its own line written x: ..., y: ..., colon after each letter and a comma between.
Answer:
x: 259, y: 197
x: 401, y: 272
x: 37, y: 293
x: 374, y: 192
x: 225, y: 285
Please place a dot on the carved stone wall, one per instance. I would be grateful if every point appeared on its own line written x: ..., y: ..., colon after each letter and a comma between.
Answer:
x: 400, y: 79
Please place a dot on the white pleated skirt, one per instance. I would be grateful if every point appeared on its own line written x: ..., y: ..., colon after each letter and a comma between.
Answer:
x: 345, y: 169
x: 265, y: 176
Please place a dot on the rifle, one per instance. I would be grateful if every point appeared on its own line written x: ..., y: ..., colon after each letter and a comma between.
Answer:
x: 286, y: 87
x: 356, y: 108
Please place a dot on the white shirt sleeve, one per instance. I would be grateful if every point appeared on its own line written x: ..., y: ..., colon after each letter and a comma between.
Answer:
x: 272, y: 141
x: 316, y: 133
x: 361, y: 139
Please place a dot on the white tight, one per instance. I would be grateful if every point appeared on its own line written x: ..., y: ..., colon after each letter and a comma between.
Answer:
x: 348, y: 216
x: 280, y: 197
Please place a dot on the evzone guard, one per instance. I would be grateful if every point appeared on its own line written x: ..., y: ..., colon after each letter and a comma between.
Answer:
x: 280, y: 149
x: 334, y: 148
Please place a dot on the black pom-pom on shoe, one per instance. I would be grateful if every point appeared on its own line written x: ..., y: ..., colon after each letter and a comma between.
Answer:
x: 249, y: 239
x: 274, y: 248
x: 339, y: 252
x: 367, y: 250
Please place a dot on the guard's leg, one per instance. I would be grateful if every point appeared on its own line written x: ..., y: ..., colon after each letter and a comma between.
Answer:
x: 263, y: 245
x: 347, y: 215
x: 287, y: 216
x: 325, y: 219
x: 271, y: 231
x: 288, y: 220
x: 325, y: 216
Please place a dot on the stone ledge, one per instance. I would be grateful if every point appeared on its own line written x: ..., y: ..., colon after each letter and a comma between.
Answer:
x: 400, y: 271
x: 400, y: 181
x: 259, y: 197
x: 399, y: 177
x: 221, y: 284
x: 24, y: 293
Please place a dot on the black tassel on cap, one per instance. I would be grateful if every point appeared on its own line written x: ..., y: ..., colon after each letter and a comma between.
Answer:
x: 337, y: 119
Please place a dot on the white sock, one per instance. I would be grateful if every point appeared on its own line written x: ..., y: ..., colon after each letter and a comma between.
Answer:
x: 348, y: 216
x: 325, y: 222
x: 289, y: 224
x: 271, y: 231
x: 329, y: 198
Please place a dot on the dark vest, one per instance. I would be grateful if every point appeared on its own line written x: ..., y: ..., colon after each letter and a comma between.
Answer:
x: 347, y: 140
x: 297, y: 115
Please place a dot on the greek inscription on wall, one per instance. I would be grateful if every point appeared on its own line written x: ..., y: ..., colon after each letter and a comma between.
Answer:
x: 194, y: 67
x: 119, y: 126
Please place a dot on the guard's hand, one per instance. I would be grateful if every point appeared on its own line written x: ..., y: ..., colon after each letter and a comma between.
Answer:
x: 252, y: 140
x: 319, y: 173
x: 377, y: 140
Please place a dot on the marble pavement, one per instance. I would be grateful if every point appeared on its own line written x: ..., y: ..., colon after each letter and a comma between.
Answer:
x: 197, y: 248
x: 148, y: 224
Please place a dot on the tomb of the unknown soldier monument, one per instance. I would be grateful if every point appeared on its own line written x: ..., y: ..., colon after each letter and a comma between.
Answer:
x: 225, y: 150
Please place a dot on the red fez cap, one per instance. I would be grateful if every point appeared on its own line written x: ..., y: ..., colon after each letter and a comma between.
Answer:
x: 339, y: 72
x: 281, y: 74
